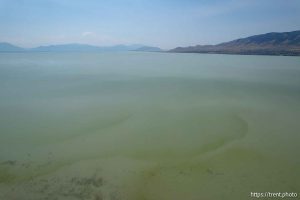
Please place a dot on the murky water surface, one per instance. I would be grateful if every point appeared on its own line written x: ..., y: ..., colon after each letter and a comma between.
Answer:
x: 148, y: 126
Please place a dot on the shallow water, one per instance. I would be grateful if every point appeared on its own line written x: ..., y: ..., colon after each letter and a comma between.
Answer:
x: 148, y: 126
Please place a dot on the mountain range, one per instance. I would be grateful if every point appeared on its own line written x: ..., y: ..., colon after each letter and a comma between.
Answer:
x: 286, y: 43
x: 149, y: 49
x: 7, y: 47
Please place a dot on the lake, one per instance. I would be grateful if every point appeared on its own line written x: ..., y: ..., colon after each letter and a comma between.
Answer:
x: 148, y: 126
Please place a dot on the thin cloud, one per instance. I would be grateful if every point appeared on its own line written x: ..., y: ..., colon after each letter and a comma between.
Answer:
x: 87, y: 34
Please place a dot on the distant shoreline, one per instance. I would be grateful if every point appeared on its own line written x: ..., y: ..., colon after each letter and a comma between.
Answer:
x: 240, y: 54
x: 171, y: 52
x: 270, y: 44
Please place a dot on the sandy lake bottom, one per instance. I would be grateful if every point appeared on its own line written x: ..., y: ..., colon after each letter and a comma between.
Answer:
x: 148, y: 126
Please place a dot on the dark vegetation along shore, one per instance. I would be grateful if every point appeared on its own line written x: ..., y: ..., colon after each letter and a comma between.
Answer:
x: 287, y: 43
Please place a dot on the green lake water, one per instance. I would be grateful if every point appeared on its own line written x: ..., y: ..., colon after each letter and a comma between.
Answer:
x: 148, y: 126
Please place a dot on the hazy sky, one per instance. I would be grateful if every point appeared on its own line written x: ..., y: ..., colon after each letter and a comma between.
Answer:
x: 163, y: 23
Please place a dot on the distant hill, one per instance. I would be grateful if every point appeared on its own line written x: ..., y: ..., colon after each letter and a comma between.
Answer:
x: 85, y: 47
x: 6, y: 47
x: 122, y: 47
x: 149, y: 49
x: 287, y: 43
x: 66, y: 47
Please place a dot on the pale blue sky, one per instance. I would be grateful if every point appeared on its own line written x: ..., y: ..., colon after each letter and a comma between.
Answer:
x: 163, y: 23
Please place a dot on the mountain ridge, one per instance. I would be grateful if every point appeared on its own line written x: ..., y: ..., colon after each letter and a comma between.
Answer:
x: 71, y: 47
x: 273, y: 43
x: 149, y: 49
x: 7, y: 47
